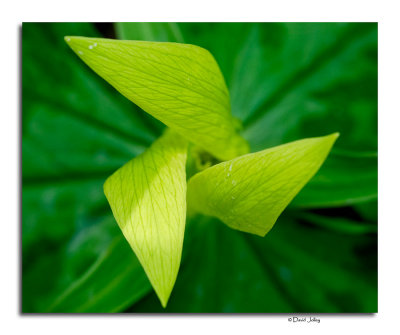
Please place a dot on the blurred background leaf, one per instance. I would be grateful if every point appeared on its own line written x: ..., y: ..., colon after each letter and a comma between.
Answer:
x: 149, y: 31
x: 297, y: 267
x: 76, y: 132
x: 287, y: 81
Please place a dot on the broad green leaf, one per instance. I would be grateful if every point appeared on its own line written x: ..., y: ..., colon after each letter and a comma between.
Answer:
x: 313, y: 78
x: 345, y: 179
x: 148, y: 199
x: 217, y: 38
x: 76, y: 130
x: 69, y: 202
x: 334, y: 78
x: 179, y: 84
x: 292, y: 269
x: 339, y: 224
x: 98, y: 274
x: 112, y: 283
x: 249, y: 193
x: 217, y: 268
x: 295, y: 80
x: 317, y: 279
x: 149, y: 31
x: 368, y: 210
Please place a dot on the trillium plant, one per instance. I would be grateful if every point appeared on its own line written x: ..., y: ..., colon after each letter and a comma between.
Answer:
x: 150, y: 196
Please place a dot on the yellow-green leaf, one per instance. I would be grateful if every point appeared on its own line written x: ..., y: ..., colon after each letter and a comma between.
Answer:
x: 148, y: 199
x: 249, y: 193
x: 179, y: 84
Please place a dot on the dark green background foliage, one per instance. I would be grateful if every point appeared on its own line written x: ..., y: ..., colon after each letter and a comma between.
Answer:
x: 287, y: 81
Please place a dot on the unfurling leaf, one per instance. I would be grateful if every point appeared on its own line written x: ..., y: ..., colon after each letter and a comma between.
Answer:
x: 179, y: 84
x: 148, y: 199
x: 249, y: 193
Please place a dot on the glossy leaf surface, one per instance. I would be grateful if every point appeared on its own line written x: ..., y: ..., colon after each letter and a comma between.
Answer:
x: 68, y: 151
x: 249, y: 193
x: 281, y: 267
x: 289, y: 81
x: 179, y: 84
x: 114, y: 281
x: 318, y: 78
x: 148, y: 199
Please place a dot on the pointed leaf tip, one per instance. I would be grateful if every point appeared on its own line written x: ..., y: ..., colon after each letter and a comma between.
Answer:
x: 148, y: 199
x: 249, y: 193
x: 179, y: 84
